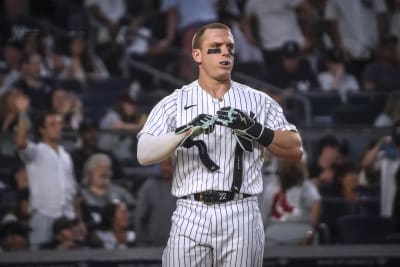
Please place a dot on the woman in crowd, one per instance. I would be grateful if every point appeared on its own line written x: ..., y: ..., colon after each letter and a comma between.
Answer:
x: 115, y: 227
x: 82, y: 64
x: 290, y: 206
x: 69, y: 106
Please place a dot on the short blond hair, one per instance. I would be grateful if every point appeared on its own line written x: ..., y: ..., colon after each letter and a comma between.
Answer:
x: 197, y: 37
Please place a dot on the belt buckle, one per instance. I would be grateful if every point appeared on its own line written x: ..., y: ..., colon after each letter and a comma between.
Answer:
x: 208, y: 198
x: 205, y: 199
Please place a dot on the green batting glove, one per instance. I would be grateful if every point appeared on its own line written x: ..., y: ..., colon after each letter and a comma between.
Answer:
x: 244, y: 125
x: 203, y: 123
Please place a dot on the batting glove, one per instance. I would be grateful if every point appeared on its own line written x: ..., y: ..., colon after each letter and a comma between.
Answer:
x: 203, y: 123
x: 244, y: 126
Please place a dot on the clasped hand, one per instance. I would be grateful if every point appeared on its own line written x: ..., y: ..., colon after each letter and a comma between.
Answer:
x: 245, y: 127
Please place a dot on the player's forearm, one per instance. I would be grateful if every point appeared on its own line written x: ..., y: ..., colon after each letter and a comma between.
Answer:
x: 153, y: 149
x: 286, y: 145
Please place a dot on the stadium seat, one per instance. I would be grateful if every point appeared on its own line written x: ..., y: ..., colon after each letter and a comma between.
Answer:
x: 364, y: 229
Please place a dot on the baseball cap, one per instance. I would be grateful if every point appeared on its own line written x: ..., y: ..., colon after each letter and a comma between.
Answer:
x: 62, y: 223
x: 290, y: 49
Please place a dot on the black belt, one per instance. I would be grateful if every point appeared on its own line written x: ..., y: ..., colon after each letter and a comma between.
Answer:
x: 216, y: 197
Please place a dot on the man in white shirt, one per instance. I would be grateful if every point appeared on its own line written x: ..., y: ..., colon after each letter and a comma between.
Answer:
x: 106, y: 17
x: 278, y: 23
x: 50, y: 173
x: 355, y: 28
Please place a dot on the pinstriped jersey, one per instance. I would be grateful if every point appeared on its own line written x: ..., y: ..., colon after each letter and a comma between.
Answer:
x: 183, y: 105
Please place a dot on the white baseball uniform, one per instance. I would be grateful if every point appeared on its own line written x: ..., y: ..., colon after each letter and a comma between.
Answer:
x: 225, y: 234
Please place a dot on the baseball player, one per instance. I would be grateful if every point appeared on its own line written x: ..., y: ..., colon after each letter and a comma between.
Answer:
x: 216, y: 129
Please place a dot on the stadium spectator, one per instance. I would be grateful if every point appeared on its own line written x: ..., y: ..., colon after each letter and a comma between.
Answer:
x: 391, y: 112
x: 32, y: 84
x: 88, y: 138
x: 184, y: 18
x: 125, y: 116
x: 155, y: 206
x: 64, y: 237
x: 9, y: 121
x: 394, y: 20
x: 292, y: 71
x: 277, y: 23
x: 248, y: 57
x: 69, y: 106
x: 14, y: 23
x: 328, y: 153
x: 385, y: 157
x: 106, y: 17
x: 8, y: 110
x: 81, y: 64
x: 11, y: 66
x: 355, y: 28
x: 48, y: 166
x: 290, y: 206
x: 98, y: 190
x: 383, y: 73
x: 19, y: 181
x: 336, y: 77
x: 115, y: 231
x: 14, y: 236
x: 344, y: 184
x: 21, y: 211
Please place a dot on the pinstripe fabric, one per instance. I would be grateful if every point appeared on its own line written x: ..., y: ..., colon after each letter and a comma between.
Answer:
x: 190, y: 176
x: 229, y: 234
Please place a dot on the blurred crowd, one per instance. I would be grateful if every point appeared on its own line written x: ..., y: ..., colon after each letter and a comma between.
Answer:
x: 57, y: 59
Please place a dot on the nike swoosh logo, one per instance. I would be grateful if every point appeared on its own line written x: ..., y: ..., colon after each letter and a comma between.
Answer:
x: 187, y: 107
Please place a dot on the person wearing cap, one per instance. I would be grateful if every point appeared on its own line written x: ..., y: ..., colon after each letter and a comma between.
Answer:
x: 293, y: 71
x: 124, y: 116
x: 383, y: 73
x: 14, y: 236
x: 335, y: 78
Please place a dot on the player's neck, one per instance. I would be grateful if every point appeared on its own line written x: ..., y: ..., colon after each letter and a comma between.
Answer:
x: 216, y: 89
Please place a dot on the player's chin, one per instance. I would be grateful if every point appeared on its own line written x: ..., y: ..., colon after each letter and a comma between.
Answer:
x: 223, y: 77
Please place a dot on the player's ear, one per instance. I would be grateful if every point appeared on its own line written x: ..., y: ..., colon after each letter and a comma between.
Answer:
x: 196, y: 54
